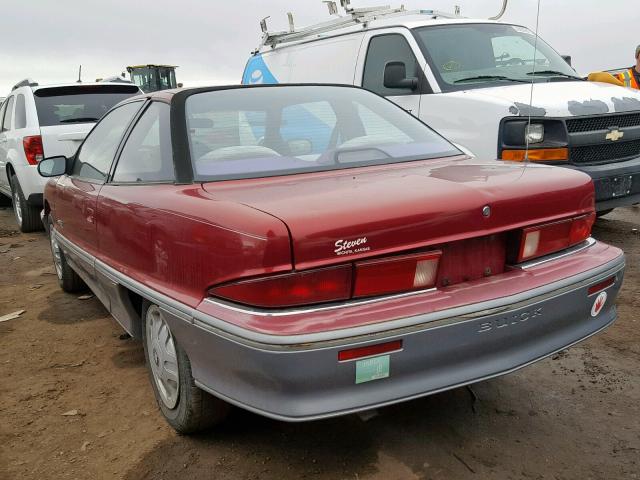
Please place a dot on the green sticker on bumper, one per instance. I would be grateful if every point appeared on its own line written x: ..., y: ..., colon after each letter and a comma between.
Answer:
x: 372, y: 369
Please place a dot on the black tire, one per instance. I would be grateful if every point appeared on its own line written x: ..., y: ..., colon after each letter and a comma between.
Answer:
x: 602, y: 213
x: 5, y: 201
x: 68, y: 279
x: 27, y: 216
x: 195, y: 410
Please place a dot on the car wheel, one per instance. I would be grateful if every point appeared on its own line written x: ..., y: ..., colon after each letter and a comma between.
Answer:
x: 68, y: 279
x: 27, y: 216
x: 186, y: 408
x: 602, y: 213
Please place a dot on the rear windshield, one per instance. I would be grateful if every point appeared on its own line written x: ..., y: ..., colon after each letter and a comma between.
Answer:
x: 267, y: 131
x: 79, y: 104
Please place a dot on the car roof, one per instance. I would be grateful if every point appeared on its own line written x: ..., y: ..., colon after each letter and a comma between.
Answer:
x: 79, y: 85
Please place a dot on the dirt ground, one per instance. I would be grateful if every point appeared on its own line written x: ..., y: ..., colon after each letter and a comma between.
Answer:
x: 573, y: 416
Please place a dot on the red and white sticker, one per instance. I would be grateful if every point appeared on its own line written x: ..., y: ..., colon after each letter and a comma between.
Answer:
x: 598, y: 305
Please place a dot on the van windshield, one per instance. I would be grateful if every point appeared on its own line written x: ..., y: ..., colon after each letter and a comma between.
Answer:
x: 279, y: 130
x: 480, y: 55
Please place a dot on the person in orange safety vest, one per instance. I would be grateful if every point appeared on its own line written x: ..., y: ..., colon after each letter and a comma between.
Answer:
x: 631, y: 76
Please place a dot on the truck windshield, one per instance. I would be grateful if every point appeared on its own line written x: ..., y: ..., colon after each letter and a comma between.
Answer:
x: 267, y: 131
x: 480, y: 55
x: 78, y: 104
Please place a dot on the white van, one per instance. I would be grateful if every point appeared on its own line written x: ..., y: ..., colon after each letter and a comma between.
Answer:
x: 471, y: 80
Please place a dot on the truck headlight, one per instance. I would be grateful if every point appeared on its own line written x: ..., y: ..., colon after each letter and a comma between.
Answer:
x: 534, y: 133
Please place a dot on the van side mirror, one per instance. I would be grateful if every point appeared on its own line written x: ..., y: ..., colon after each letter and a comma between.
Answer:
x: 395, y: 76
x: 566, y: 58
x: 53, y: 166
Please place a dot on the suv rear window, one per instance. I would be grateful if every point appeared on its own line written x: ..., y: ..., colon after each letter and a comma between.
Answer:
x: 79, y: 104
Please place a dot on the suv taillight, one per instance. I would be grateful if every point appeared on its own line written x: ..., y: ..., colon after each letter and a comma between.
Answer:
x: 33, y: 149
x: 549, y: 238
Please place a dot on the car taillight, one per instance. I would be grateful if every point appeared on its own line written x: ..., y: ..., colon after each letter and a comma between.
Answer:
x: 396, y: 274
x: 33, y: 149
x: 293, y: 289
x: 552, y: 237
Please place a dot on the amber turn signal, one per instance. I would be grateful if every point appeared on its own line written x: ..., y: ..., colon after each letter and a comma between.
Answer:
x: 537, y: 155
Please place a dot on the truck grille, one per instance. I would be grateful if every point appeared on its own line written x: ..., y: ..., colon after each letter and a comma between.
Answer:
x: 605, y: 152
x: 602, y: 122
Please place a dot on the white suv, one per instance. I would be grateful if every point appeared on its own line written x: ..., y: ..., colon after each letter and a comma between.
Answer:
x: 38, y: 121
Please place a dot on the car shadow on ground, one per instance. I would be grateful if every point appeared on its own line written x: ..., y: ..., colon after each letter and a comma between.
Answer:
x: 394, y: 443
x: 63, y: 309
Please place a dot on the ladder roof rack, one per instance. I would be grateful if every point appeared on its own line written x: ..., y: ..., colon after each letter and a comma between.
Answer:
x: 355, y: 16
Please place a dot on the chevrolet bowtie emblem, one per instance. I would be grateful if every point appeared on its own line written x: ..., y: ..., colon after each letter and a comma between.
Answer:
x: 614, y: 135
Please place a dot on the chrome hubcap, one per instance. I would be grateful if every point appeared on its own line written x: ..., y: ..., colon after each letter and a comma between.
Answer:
x: 57, y: 255
x: 17, y: 206
x: 162, y: 357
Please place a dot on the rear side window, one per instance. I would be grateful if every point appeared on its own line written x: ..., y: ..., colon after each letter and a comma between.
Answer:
x: 98, y: 150
x: 147, y: 155
x: 382, y: 50
x: 79, y: 104
x: 21, y: 112
x: 6, y: 123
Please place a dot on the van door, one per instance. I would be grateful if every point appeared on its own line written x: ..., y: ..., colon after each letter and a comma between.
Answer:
x: 392, y: 65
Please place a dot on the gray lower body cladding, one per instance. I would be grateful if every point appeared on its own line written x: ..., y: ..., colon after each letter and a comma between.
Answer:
x: 308, y: 382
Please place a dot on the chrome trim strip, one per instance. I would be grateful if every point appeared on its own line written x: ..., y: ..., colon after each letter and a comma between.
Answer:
x: 396, y: 400
x: 555, y: 256
x: 360, y: 334
x: 321, y: 308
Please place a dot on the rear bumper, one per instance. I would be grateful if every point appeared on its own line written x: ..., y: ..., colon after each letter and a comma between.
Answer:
x: 605, y: 178
x: 302, y: 379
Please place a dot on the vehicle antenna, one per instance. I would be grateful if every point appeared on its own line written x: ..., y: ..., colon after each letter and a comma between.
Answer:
x: 80, y: 74
x: 533, y: 76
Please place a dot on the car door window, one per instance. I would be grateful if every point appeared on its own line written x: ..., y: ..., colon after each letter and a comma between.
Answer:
x: 97, y: 152
x: 20, y: 119
x: 6, y: 123
x: 382, y: 50
x: 147, y: 155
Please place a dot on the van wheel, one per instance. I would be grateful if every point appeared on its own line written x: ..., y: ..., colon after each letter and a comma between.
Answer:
x: 602, y: 213
x: 185, y: 407
x: 27, y: 216
x: 68, y: 279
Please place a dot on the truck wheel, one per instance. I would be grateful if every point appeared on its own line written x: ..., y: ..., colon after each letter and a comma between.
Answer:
x: 185, y: 407
x: 27, y: 216
x: 68, y: 279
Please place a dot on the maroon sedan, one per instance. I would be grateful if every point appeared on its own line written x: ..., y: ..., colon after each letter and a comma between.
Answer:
x: 309, y: 251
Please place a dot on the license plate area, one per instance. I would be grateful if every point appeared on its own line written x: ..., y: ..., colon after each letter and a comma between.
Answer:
x: 614, y: 187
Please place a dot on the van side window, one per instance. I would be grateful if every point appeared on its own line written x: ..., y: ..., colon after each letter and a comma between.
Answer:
x: 21, y: 113
x: 382, y: 50
x: 6, y: 124
x: 147, y: 155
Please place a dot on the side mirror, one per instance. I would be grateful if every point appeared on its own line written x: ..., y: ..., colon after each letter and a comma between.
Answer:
x: 566, y: 58
x: 53, y: 166
x: 395, y: 76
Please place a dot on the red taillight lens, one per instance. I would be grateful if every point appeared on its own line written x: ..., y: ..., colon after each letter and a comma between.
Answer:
x: 304, y: 288
x: 369, y: 350
x: 397, y: 274
x: 598, y: 287
x: 33, y: 149
x: 552, y: 237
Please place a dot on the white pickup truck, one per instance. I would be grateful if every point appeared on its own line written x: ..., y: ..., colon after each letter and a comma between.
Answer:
x: 491, y: 87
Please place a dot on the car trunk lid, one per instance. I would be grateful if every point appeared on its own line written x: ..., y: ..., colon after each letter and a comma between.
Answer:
x: 462, y: 207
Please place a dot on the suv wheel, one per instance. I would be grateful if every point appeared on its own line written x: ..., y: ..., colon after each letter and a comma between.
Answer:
x: 185, y: 407
x: 68, y: 279
x: 27, y: 216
